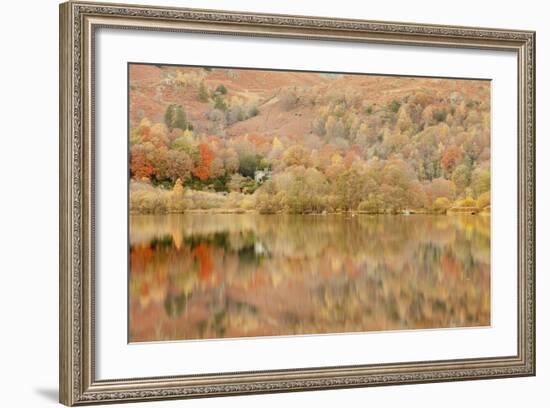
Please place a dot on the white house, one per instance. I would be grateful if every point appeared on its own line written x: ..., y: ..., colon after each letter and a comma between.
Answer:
x: 262, y: 175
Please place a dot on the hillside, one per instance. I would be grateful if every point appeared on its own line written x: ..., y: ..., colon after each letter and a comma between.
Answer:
x: 387, y: 142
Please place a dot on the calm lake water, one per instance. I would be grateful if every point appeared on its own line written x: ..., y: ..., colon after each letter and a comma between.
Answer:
x: 195, y: 276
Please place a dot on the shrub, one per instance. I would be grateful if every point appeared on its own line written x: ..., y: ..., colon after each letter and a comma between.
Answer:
x: 188, y: 78
x: 253, y: 111
x: 220, y: 184
x: 248, y: 202
x: 440, y: 116
x: 205, y: 200
x: 147, y: 199
x: 220, y: 104
x: 268, y: 203
x: 177, y: 203
x: 147, y: 202
x: 235, y: 182
x: 249, y: 186
x: 466, y: 202
x: 394, y: 106
x: 233, y: 200
x: 289, y: 99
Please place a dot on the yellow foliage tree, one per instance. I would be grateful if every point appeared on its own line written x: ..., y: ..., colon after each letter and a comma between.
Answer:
x: 441, y: 204
x: 178, y: 187
x: 484, y: 200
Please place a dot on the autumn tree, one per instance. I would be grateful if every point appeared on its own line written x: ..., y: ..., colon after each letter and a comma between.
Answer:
x: 352, y: 186
x: 186, y: 143
x: 140, y: 165
x: 428, y: 153
x: 452, y: 156
x: 334, y: 128
x: 158, y: 135
x: 481, y: 181
x: 394, y: 142
x: 397, y: 178
x: 178, y: 187
x: 203, y: 169
x: 416, y: 195
x: 472, y: 150
x: 440, y: 187
x: 295, y: 192
x: 230, y: 160
x: 317, y: 188
x: 442, y: 204
x: 177, y: 202
x: 179, y: 165
x: 461, y: 176
x: 158, y: 157
x: 296, y: 155
x: 217, y: 169
x: 297, y: 189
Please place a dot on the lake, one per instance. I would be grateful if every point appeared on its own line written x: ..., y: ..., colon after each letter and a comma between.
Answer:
x: 205, y: 276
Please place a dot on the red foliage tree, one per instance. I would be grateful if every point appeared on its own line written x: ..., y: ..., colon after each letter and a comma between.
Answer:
x: 140, y: 165
x: 203, y: 169
x: 451, y: 157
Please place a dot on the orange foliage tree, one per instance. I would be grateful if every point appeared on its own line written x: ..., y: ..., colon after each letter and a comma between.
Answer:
x: 203, y: 169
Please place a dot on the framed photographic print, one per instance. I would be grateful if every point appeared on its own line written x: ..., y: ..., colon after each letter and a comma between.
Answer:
x: 256, y: 203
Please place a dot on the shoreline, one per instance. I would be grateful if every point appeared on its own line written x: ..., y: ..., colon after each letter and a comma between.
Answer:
x: 239, y: 211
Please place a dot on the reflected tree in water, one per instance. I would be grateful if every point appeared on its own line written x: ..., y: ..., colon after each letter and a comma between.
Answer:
x: 221, y: 275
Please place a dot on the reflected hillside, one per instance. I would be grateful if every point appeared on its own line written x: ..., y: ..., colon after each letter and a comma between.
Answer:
x: 233, y: 275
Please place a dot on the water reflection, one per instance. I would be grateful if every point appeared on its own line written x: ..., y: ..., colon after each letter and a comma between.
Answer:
x: 231, y: 275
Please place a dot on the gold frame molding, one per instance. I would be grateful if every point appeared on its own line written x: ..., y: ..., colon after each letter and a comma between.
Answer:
x: 78, y: 22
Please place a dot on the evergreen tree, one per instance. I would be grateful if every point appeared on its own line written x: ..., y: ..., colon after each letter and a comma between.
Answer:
x: 221, y: 90
x: 175, y: 118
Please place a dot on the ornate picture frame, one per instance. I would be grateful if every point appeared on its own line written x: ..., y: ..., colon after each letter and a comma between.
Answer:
x: 78, y: 24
